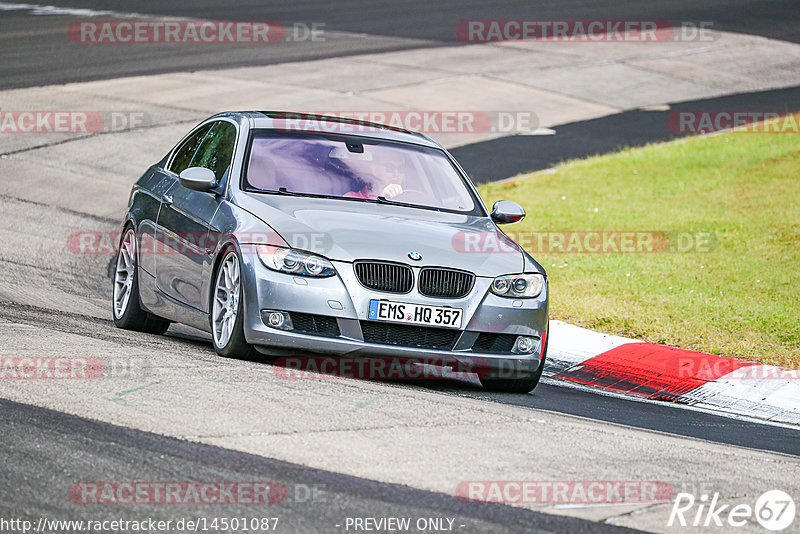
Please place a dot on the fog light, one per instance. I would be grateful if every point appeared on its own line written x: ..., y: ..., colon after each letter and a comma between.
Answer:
x: 277, y: 319
x: 524, y: 345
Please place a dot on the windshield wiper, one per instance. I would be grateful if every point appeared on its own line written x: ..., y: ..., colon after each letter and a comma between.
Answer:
x: 384, y: 200
x: 284, y: 191
x: 379, y: 199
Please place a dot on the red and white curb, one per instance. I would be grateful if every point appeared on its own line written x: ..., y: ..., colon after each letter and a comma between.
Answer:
x: 658, y: 372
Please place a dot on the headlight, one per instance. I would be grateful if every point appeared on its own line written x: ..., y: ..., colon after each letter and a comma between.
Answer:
x: 287, y: 260
x: 518, y: 285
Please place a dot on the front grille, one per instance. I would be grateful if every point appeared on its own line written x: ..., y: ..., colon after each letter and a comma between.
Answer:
x: 489, y: 342
x: 408, y: 336
x: 388, y: 277
x: 445, y: 283
x: 316, y: 325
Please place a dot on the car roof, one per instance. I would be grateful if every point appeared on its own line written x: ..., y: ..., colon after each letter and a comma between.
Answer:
x: 300, y: 122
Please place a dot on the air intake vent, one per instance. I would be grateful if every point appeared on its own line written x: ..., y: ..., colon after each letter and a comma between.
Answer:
x: 388, y: 277
x: 316, y: 325
x: 489, y: 342
x: 445, y: 283
x: 409, y: 336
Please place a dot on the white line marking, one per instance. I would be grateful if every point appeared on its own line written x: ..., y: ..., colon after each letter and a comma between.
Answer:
x: 39, y: 9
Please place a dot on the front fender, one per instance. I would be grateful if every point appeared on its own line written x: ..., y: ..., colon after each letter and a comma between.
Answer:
x: 233, y: 226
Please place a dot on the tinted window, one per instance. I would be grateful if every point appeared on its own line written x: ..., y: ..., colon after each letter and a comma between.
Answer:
x: 187, y: 150
x: 316, y: 165
x: 216, y: 150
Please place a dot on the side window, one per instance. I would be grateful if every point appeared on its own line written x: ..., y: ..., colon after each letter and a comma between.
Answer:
x: 187, y: 150
x: 216, y: 150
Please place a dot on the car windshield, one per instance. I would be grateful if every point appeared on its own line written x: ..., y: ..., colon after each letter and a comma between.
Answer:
x: 347, y: 168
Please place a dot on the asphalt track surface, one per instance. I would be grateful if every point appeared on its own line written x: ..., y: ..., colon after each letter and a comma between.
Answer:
x: 554, y: 397
x: 509, y: 156
x: 367, y: 27
x: 45, y: 451
x: 373, y: 26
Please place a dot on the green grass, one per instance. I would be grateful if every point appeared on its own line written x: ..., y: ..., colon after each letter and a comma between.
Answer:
x: 740, y: 299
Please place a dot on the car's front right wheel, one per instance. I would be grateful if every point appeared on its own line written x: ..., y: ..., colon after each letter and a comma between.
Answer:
x: 227, y: 309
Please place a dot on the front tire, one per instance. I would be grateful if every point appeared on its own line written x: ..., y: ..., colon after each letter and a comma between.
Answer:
x: 227, y: 309
x: 128, y: 313
x: 516, y: 385
x: 512, y: 385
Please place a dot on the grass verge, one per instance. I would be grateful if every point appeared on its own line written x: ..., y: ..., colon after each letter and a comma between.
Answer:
x: 729, y: 207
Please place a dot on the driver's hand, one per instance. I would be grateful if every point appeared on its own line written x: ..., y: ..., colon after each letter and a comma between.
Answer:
x: 392, y: 190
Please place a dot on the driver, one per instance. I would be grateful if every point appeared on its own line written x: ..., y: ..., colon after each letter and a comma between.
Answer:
x: 388, y: 176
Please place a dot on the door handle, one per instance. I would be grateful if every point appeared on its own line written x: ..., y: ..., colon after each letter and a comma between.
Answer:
x: 166, y: 199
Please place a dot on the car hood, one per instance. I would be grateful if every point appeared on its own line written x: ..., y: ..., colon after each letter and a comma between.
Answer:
x: 348, y: 230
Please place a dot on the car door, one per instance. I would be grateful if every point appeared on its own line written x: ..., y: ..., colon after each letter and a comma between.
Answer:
x: 185, y: 215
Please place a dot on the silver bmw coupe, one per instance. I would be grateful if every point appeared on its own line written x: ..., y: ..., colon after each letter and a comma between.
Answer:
x: 297, y: 234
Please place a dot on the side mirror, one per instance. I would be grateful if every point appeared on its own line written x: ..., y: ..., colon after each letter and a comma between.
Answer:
x: 198, y: 179
x: 506, y: 212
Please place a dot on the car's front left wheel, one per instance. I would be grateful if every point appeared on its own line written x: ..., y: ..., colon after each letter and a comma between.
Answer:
x: 524, y: 384
x: 227, y: 309
x: 128, y: 313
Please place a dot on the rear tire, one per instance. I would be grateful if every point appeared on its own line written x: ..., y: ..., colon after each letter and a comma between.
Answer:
x: 127, y: 310
x: 227, y: 309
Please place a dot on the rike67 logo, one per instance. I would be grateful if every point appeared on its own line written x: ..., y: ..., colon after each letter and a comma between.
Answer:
x: 774, y: 510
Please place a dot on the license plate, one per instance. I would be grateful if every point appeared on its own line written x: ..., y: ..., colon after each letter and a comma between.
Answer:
x: 404, y: 312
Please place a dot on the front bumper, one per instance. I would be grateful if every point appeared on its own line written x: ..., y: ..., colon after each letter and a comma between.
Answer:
x: 342, y: 298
